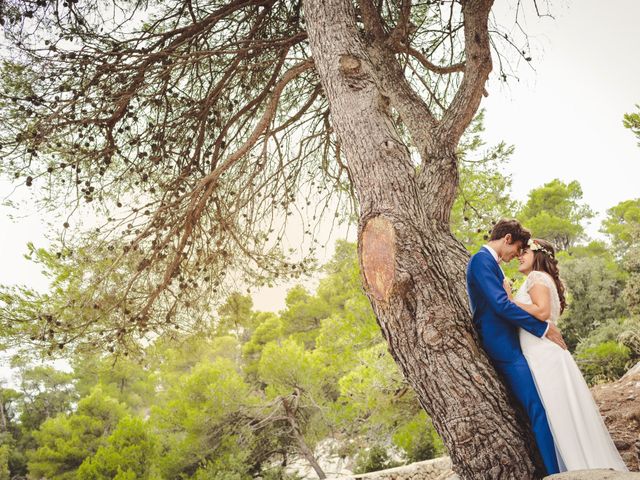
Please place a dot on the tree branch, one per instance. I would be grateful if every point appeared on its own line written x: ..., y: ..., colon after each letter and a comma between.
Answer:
x: 371, y: 19
x: 424, y: 61
x: 206, y: 186
x: 477, y: 67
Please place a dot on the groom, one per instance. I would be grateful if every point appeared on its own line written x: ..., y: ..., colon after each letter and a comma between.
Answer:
x: 497, y: 319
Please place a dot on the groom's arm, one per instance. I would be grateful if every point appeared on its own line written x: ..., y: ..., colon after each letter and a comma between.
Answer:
x: 486, y: 280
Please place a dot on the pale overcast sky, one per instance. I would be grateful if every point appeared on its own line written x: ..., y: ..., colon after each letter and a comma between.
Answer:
x: 565, y: 119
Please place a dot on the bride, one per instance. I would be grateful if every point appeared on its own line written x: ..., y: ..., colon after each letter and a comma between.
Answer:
x: 580, y: 435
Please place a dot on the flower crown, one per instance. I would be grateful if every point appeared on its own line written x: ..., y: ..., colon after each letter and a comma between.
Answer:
x: 536, y: 247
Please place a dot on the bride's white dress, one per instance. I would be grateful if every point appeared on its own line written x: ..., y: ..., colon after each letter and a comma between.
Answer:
x: 581, y: 437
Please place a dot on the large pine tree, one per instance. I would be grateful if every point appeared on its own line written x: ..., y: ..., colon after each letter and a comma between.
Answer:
x: 194, y: 128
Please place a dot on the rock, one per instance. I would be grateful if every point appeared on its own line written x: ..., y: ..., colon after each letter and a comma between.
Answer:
x: 435, y: 469
x: 621, y: 413
x: 594, y: 475
x: 633, y: 371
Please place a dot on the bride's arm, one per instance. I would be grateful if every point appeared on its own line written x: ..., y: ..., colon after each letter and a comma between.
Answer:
x: 540, y: 306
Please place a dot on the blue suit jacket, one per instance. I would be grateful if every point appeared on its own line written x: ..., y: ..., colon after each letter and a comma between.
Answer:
x: 495, y: 317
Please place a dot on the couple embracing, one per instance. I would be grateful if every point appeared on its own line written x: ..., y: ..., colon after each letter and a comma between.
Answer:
x: 520, y: 336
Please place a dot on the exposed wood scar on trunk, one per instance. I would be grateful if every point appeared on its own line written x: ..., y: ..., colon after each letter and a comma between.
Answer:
x: 349, y: 65
x: 379, y: 257
x: 351, y: 68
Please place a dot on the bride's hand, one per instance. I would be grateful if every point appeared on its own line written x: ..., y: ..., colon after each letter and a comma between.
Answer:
x: 507, y: 287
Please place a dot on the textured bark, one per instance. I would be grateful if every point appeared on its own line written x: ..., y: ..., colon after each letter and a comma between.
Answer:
x: 413, y: 268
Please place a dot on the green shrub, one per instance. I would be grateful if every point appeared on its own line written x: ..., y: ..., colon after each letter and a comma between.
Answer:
x: 374, y: 459
x: 5, y: 450
x: 623, y: 331
x: 605, y: 362
x: 418, y: 439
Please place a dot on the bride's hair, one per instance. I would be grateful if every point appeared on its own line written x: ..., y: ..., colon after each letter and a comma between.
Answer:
x: 546, y: 262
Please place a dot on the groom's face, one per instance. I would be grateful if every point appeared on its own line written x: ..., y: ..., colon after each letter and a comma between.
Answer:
x: 510, y: 249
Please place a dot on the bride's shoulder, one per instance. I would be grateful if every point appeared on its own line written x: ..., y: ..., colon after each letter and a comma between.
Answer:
x: 537, y: 276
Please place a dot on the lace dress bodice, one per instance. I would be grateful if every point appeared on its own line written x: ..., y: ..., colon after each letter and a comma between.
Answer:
x: 534, y: 278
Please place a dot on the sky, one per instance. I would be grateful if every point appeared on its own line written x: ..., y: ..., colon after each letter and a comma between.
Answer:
x: 564, y: 117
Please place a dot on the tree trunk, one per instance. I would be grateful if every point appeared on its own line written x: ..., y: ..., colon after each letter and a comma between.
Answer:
x: 413, y: 268
x: 307, y: 453
x: 3, y: 418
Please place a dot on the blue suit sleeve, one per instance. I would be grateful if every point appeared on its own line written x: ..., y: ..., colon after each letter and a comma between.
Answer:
x: 488, y: 283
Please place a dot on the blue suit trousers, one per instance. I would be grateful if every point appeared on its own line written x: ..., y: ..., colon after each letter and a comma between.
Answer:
x: 519, y: 380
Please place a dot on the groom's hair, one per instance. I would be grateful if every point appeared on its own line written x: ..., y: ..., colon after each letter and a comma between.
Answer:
x: 513, y: 227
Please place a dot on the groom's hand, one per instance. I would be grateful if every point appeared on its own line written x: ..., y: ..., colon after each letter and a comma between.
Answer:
x: 555, y: 336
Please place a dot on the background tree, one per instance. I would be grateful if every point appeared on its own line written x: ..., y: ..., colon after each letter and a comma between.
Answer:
x: 12, y: 436
x: 196, y: 421
x: 185, y: 129
x: 126, y: 380
x: 128, y: 454
x: 555, y: 212
x: 343, y: 391
x: 236, y: 316
x: 622, y: 225
x: 632, y: 122
x: 631, y: 292
x: 594, y: 283
x: 46, y: 393
x: 65, y: 441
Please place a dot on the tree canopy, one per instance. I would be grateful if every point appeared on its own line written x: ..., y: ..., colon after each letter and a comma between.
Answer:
x: 554, y: 212
x: 176, y: 143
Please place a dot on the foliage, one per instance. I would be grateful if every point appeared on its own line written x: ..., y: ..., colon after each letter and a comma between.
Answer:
x: 605, y: 362
x: 121, y: 378
x: 196, y: 417
x: 231, y: 467
x: 418, y: 439
x: 622, y: 225
x: 625, y: 332
x: 373, y: 459
x: 593, y: 284
x: 5, y: 473
x: 632, y: 122
x: 484, y: 191
x: 631, y: 293
x: 236, y: 316
x: 270, y: 328
x: 555, y: 213
x: 301, y: 318
x: 15, y: 439
x: 65, y: 441
x: 46, y: 393
x: 128, y: 454
x: 190, y: 177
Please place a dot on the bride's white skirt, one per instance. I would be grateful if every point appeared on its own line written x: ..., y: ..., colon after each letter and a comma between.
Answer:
x: 581, y: 437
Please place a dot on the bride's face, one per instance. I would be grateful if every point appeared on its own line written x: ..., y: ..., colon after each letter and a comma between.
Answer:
x: 526, y: 261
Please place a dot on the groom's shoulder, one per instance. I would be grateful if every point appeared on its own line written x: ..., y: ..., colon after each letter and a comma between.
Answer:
x: 481, y: 254
x: 479, y: 258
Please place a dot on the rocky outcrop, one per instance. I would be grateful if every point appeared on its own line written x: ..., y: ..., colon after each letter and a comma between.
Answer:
x: 435, y: 469
x: 619, y: 404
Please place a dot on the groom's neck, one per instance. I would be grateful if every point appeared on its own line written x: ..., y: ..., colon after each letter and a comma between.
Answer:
x: 496, y: 245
